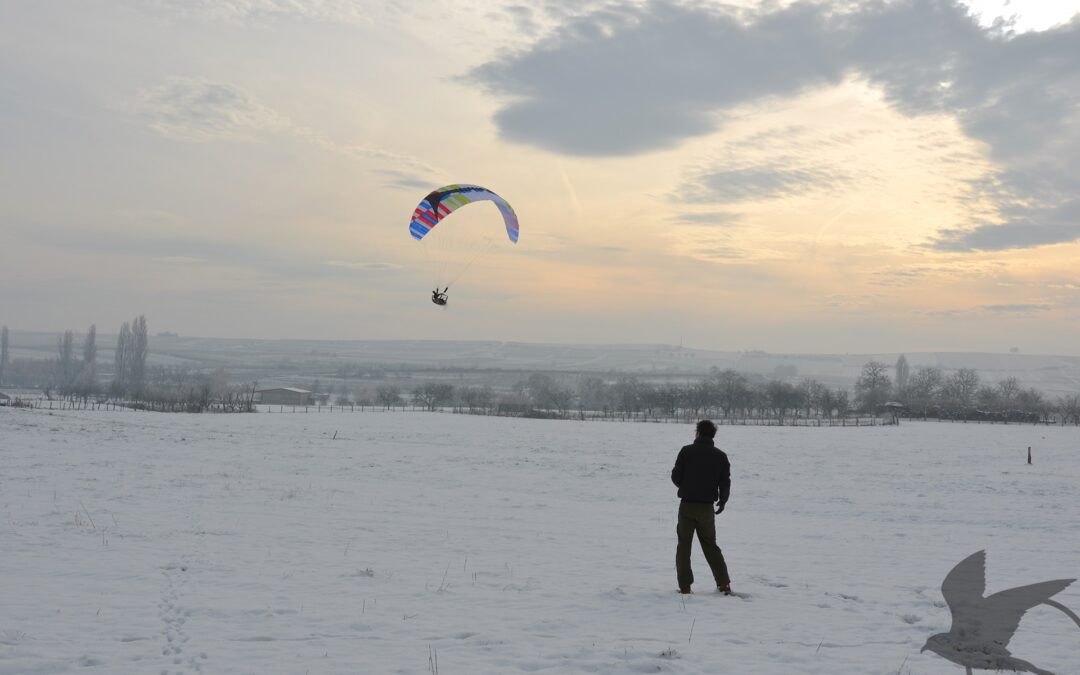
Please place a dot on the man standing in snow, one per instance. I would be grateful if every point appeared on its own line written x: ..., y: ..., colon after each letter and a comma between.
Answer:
x: 703, y: 475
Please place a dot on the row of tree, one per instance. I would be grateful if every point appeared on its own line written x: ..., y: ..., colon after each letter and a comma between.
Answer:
x: 928, y: 391
x: 74, y: 371
x: 728, y: 393
x: 724, y: 393
x: 184, y: 390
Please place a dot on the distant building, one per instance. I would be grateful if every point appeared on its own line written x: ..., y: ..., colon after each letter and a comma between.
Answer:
x: 895, y: 409
x: 284, y: 396
x: 4, y: 399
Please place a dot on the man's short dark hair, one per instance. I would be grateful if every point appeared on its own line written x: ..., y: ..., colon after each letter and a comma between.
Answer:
x: 706, y: 429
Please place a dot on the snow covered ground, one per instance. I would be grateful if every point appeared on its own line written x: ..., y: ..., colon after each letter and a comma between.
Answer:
x: 421, y: 543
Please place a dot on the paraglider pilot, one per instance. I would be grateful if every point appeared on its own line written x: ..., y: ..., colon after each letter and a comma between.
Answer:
x: 439, y: 297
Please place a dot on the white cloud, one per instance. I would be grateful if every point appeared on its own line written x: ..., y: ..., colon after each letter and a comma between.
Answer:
x: 336, y: 11
x: 362, y: 266
x: 198, y: 110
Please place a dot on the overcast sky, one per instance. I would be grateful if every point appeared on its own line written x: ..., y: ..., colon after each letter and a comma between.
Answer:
x: 816, y: 177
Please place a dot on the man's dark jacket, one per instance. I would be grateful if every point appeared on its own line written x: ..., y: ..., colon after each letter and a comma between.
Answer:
x: 702, y: 473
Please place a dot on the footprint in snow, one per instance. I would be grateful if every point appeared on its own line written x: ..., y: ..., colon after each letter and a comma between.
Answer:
x: 173, y: 617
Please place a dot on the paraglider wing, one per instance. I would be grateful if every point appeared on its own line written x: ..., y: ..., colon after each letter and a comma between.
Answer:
x: 442, y: 202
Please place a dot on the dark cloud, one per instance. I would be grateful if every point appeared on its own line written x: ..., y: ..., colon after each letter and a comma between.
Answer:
x: 708, y: 218
x: 1030, y: 227
x: 635, y: 78
x: 759, y: 182
x: 1016, y: 309
x: 403, y: 180
x: 630, y: 79
x: 524, y: 18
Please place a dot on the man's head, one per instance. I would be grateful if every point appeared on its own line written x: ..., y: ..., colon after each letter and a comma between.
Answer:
x: 706, y: 430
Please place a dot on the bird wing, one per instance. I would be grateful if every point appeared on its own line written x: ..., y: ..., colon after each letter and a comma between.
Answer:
x: 1002, y: 611
x: 963, y: 589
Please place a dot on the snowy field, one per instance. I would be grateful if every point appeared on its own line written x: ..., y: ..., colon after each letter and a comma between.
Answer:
x: 423, y: 543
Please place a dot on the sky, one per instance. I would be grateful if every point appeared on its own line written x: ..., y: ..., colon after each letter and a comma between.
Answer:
x: 794, y: 177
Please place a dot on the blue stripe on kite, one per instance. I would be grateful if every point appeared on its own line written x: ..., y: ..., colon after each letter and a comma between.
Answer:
x: 429, y: 219
x: 418, y: 230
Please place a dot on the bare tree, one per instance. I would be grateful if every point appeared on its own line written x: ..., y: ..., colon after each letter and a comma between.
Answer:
x: 65, y: 364
x: 1033, y: 402
x: 388, y: 395
x: 698, y: 397
x: 593, y: 394
x: 924, y: 388
x: 873, y: 386
x: 782, y: 397
x: 812, y: 391
x: 958, y: 390
x: 432, y: 395
x: 4, y: 357
x: 988, y: 398
x: 668, y: 397
x: 87, y: 381
x: 842, y: 401
x: 477, y: 398
x: 1069, y: 408
x: 1008, y: 390
x: 443, y: 393
x: 542, y: 391
x: 626, y: 394
x: 903, y: 372
x: 732, y: 389
x: 122, y: 361
x: 484, y: 397
x: 139, y: 347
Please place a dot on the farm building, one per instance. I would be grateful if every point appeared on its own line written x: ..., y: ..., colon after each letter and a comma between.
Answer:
x: 284, y: 396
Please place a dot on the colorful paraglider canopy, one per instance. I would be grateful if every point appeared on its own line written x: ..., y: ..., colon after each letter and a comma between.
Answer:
x: 444, y: 201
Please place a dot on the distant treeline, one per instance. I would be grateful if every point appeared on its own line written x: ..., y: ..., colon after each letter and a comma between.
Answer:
x: 928, y: 392
x: 898, y: 391
x: 74, y: 375
x: 727, y: 394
